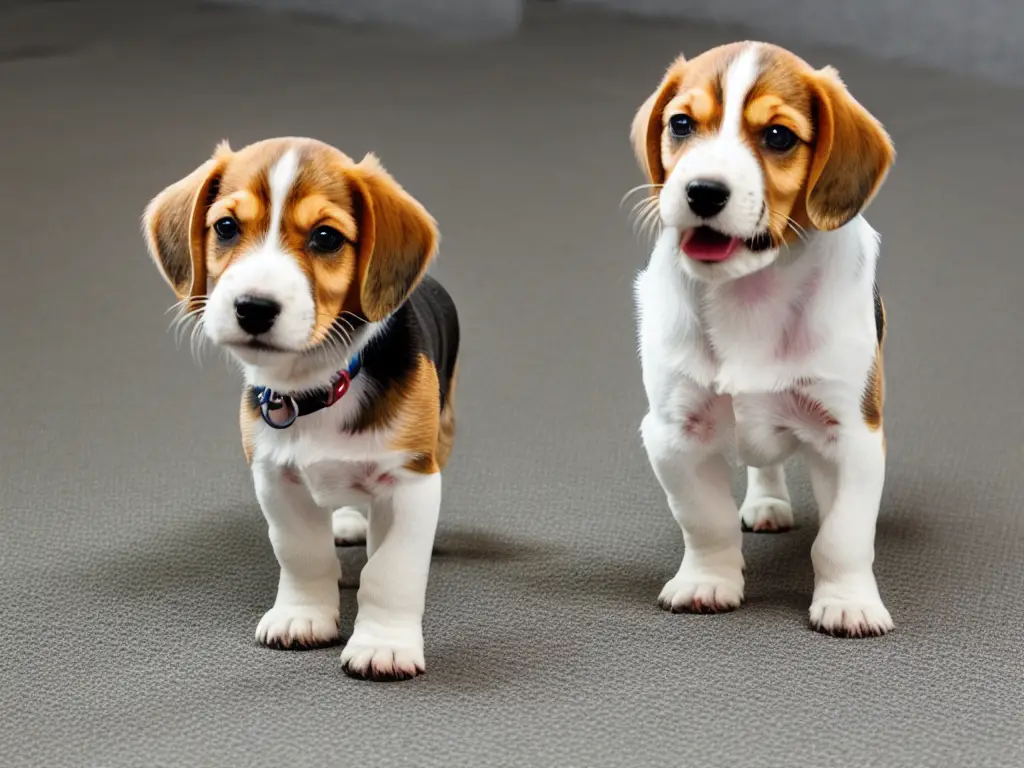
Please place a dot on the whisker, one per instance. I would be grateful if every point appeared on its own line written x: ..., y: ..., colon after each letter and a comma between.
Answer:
x: 651, y: 226
x: 800, y: 232
x: 638, y: 188
x: 195, y: 342
x: 183, y: 324
x: 642, y: 212
x: 199, y: 301
x: 644, y: 204
x: 332, y: 338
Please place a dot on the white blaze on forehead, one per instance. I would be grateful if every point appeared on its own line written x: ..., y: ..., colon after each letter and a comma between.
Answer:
x: 282, y: 177
x: 739, y: 79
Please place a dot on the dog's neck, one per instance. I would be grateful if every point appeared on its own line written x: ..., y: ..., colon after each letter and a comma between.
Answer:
x: 816, y: 250
x: 313, y: 370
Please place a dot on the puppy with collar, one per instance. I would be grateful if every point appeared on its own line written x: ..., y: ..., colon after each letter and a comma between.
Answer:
x: 760, y: 325
x: 309, y: 270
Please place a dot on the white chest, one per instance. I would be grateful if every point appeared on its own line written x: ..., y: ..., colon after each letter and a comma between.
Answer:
x: 805, y: 318
x: 334, y: 484
x: 768, y: 428
x: 336, y: 466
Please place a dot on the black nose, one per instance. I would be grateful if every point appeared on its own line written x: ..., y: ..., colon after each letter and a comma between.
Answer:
x: 706, y: 197
x: 256, y: 315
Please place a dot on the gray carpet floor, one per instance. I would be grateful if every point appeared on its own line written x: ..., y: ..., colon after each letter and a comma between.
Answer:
x: 134, y: 562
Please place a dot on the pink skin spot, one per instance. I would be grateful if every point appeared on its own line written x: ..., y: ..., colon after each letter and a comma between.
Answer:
x: 797, y: 340
x: 368, y: 479
x: 700, y: 424
x: 811, y: 409
x: 291, y: 475
x: 755, y: 288
x: 709, y: 349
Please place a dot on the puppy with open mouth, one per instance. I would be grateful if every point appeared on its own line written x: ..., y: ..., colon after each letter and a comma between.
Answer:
x: 309, y: 269
x: 761, y: 328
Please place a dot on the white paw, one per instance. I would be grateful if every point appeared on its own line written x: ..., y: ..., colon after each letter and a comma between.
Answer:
x: 697, y: 592
x: 850, y: 617
x: 766, y: 515
x: 396, y: 654
x: 349, y: 527
x: 298, y: 626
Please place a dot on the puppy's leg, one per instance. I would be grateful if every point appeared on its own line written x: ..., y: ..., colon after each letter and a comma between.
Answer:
x: 349, y: 526
x: 305, y: 614
x: 387, y: 642
x: 766, y: 507
x: 846, y: 600
x: 695, y: 477
x: 378, y: 524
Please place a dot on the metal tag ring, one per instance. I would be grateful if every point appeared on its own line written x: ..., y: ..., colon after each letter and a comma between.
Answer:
x: 271, y: 403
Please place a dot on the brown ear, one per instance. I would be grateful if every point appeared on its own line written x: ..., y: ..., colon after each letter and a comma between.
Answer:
x: 174, y: 225
x: 852, y: 155
x: 647, y: 127
x: 397, y: 240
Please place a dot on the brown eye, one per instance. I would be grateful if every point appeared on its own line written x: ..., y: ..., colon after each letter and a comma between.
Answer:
x: 226, y: 229
x: 326, y: 240
x: 778, y: 138
x: 681, y: 126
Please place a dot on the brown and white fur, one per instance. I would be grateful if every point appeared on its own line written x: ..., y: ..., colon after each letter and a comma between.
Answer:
x: 385, y: 442
x: 760, y: 329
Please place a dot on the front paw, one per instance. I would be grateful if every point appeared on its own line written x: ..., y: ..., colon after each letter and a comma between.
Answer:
x: 702, y: 592
x: 766, y: 515
x: 381, y: 656
x: 299, y: 627
x: 849, y: 616
x: 349, y: 527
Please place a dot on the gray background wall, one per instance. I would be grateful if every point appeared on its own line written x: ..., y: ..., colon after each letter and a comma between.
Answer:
x: 976, y: 37
x: 450, y: 18
x: 982, y: 38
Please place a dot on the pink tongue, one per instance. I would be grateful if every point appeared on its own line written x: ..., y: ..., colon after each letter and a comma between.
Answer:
x: 703, y: 248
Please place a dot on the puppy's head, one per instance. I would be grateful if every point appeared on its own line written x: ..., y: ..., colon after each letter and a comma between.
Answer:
x: 747, y: 144
x: 284, y: 244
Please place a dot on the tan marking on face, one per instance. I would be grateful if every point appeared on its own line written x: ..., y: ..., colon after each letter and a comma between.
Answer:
x: 245, y: 195
x: 698, y: 103
x: 322, y: 196
x: 241, y: 205
x: 770, y: 109
x: 699, y: 94
x: 781, y: 96
x: 696, y: 84
x: 317, y: 210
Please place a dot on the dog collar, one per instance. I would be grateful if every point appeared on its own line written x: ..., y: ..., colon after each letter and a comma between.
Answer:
x: 280, y: 411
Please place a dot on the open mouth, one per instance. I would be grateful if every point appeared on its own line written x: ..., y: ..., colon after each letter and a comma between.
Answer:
x: 709, y: 246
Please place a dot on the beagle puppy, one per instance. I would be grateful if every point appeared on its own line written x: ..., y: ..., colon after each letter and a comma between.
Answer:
x: 760, y: 325
x: 309, y: 270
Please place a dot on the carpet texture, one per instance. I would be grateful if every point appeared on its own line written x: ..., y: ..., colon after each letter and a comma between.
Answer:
x: 134, y: 562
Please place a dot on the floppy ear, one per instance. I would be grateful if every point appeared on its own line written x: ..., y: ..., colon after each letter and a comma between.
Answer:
x: 852, y: 155
x: 174, y: 225
x: 397, y: 240
x: 647, y: 127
